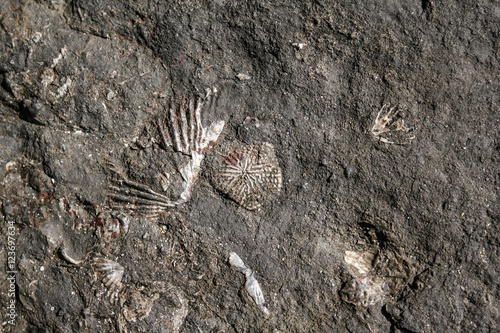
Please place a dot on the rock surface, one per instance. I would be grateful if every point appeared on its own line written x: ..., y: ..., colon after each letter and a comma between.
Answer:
x: 84, y: 83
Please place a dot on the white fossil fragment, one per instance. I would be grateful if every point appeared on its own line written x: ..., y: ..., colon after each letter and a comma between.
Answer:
x: 254, y: 289
x: 243, y: 77
x: 362, y: 262
x: 236, y: 262
x: 251, y: 284
x: 61, y: 91
x: 378, y: 276
x: 10, y: 166
x: 61, y: 55
x: 365, y: 291
x: 69, y: 259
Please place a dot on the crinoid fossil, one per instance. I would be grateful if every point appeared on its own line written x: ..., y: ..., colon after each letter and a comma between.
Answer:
x: 390, y: 128
x: 249, y: 175
x: 182, y: 130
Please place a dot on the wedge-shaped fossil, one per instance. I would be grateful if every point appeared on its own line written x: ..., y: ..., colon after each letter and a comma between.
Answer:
x: 249, y: 176
x: 182, y: 130
x: 130, y: 196
x: 251, y: 285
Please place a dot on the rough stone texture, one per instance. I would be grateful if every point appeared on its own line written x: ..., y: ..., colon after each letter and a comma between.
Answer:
x: 83, y: 82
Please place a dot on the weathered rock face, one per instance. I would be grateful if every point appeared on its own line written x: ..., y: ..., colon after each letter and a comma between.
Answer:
x: 382, y: 214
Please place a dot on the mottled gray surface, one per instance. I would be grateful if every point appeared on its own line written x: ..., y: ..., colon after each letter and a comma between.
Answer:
x: 83, y: 83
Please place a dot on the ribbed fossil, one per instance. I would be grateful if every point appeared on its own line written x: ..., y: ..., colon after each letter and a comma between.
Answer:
x: 113, y: 274
x: 183, y: 131
x: 389, y: 127
x: 249, y: 175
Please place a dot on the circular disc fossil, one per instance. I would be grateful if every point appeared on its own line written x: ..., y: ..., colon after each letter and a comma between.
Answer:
x: 249, y: 175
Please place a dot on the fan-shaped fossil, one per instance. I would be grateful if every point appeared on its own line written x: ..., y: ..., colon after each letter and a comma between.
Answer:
x: 378, y: 276
x: 183, y: 131
x: 249, y: 175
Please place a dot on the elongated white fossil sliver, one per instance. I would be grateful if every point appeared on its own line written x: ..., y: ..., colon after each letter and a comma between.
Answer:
x: 192, y: 124
x: 174, y: 125
x: 236, y: 262
x: 135, y: 196
x: 184, y: 128
x: 253, y: 288
x: 251, y: 284
x: 165, y: 135
x: 200, y: 131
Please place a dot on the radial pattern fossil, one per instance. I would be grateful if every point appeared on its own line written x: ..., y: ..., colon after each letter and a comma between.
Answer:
x: 249, y: 175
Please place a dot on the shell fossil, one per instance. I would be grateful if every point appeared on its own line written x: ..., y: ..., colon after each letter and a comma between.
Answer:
x: 113, y: 274
x: 366, y: 291
x: 378, y: 276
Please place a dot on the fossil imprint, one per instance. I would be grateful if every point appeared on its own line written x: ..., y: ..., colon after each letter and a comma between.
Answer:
x: 113, y: 274
x: 377, y: 276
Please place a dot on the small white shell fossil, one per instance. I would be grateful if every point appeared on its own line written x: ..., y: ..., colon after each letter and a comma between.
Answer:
x: 378, y: 276
x: 365, y: 291
x: 251, y: 284
x: 113, y: 274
